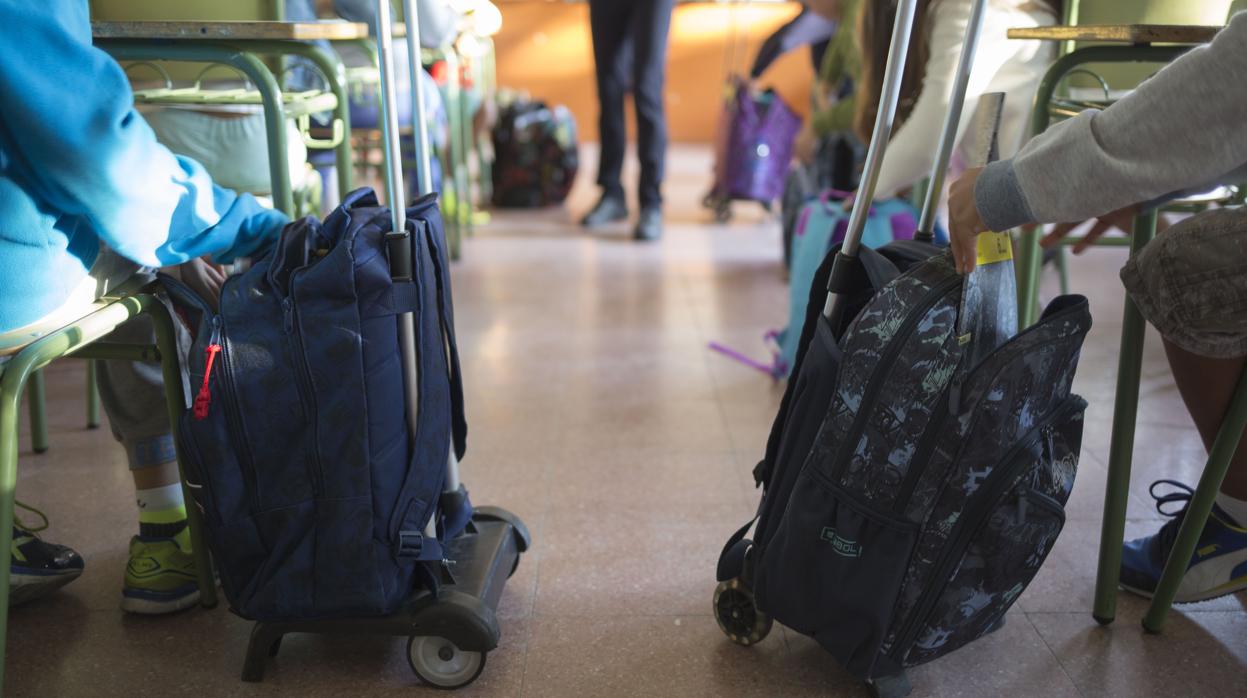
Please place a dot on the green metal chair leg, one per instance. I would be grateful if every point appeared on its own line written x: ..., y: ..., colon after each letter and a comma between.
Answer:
x: 175, y: 403
x: 1030, y: 259
x: 10, y: 399
x: 1121, y: 448
x: 1062, y: 268
x: 1223, y: 449
x: 93, y: 395
x: 38, y: 413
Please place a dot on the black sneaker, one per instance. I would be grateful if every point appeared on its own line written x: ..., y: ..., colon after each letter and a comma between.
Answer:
x: 611, y: 208
x: 37, y: 568
x: 649, y: 226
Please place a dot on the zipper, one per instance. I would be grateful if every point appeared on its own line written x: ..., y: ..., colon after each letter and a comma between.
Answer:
x: 232, y: 420
x: 912, y: 320
x: 307, y: 389
x: 970, y: 523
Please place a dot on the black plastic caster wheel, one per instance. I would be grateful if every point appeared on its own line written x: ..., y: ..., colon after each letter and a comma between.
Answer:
x: 723, y: 211
x: 738, y: 614
x: 440, y: 664
x: 894, y: 686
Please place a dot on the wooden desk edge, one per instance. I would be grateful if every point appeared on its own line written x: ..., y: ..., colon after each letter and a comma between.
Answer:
x: 284, y: 31
x: 1121, y: 33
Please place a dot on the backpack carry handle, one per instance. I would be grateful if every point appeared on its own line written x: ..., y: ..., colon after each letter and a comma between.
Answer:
x: 965, y: 63
x: 892, y: 76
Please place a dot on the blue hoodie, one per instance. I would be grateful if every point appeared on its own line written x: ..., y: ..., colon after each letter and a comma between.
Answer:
x: 79, y: 167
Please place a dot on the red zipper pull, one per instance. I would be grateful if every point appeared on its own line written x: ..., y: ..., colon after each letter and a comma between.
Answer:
x: 204, y: 398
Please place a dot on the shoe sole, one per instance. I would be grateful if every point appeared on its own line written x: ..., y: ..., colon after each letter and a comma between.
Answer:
x: 24, y: 588
x: 1227, y: 589
x: 153, y: 607
x: 597, y: 225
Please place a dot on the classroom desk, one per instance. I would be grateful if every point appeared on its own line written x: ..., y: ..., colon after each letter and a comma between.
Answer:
x: 240, y: 45
x: 1122, y: 43
x: 1127, y: 43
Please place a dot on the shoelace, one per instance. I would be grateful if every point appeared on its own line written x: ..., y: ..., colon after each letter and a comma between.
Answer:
x: 17, y: 521
x: 1182, y: 492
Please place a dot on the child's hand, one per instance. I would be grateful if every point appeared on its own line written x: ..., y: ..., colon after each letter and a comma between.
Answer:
x: 964, y: 223
x: 205, y: 279
x: 1122, y: 219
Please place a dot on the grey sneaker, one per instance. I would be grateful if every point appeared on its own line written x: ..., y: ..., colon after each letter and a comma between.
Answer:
x: 609, y: 209
x: 649, y: 227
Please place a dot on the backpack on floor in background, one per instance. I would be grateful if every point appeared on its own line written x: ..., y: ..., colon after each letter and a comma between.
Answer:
x: 820, y: 227
x: 536, y: 154
x: 753, y: 147
x: 297, y: 449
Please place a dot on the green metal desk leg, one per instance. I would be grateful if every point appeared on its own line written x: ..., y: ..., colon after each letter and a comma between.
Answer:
x: 465, y: 158
x: 175, y: 403
x: 1121, y: 448
x: 1197, y: 511
x: 93, y: 396
x: 38, y: 413
x: 1028, y: 270
x: 454, y: 111
x: 489, y: 79
x: 335, y: 75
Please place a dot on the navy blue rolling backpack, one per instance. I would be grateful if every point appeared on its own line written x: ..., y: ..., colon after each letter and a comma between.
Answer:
x: 297, y: 447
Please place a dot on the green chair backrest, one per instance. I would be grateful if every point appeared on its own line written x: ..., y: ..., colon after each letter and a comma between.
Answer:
x: 1206, y: 12
x: 189, y: 11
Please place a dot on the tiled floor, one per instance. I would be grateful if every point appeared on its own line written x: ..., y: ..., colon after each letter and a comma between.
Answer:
x: 598, y: 414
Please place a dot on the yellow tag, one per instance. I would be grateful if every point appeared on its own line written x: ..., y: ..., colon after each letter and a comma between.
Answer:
x: 994, y: 247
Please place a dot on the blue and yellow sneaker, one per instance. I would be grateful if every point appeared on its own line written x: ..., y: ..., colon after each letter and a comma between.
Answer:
x: 1218, y: 567
x: 38, y: 568
x: 160, y: 577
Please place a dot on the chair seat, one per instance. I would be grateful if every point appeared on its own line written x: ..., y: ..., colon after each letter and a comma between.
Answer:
x: 14, y: 341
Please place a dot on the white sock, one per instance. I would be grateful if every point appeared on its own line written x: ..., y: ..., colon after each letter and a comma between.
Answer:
x: 160, y: 499
x: 1236, y: 509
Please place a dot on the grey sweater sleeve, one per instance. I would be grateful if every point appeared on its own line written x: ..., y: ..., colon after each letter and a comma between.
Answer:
x: 1181, y: 128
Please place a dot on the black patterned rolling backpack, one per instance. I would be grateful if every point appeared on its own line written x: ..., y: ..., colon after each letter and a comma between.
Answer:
x: 917, y: 472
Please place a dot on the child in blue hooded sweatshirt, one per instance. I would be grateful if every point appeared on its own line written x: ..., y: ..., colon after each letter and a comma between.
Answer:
x: 88, y: 198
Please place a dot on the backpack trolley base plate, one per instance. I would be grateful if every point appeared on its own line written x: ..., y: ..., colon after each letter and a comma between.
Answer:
x: 451, y: 631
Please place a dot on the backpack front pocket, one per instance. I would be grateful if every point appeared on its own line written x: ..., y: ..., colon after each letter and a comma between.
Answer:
x: 1000, y: 561
x: 833, y: 570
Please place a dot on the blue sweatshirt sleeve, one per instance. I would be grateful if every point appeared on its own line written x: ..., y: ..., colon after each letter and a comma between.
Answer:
x: 75, y: 141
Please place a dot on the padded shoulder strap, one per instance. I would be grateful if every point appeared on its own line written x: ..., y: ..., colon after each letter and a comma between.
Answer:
x: 441, y: 265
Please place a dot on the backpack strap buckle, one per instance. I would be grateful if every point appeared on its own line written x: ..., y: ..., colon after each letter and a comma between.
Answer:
x: 414, y: 544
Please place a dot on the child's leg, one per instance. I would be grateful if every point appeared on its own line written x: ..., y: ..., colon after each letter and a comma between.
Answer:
x: 1207, y: 385
x: 1190, y: 283
x: 160, y: 575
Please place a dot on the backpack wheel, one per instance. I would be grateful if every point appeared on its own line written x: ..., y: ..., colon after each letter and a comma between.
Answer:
x: 723, y: 210
x: 738, y: 615
x: 440, y: 664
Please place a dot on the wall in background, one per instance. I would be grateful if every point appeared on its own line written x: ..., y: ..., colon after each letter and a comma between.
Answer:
x: 544, y: 47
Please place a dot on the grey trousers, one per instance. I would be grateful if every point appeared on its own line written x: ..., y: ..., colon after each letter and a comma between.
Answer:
x: 132, y: 392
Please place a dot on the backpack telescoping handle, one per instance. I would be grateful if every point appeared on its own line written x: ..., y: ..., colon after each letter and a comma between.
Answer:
x: 399, y: 241
x: 892, y: 78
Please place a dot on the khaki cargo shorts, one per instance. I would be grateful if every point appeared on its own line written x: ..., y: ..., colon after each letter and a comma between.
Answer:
x: 1191, y: 283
